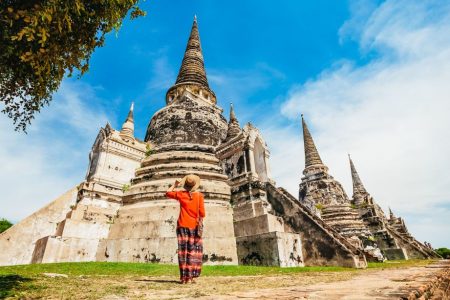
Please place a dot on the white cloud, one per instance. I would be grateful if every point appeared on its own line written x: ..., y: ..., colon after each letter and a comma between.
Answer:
x: 391, y: 114
x: 41, y: 165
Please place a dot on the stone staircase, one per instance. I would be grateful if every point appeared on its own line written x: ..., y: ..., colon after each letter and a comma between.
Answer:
x: 416, y: 249
x: 345, y: 220
x: 322, y: 245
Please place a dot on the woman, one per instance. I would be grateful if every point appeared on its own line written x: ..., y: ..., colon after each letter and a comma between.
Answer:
x: 192, y: 209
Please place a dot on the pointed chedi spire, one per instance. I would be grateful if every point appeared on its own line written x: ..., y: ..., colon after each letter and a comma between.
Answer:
x: 128, y: 125
x: 312, y: 156
x: 233, y: 125
x: 130, y: 113
x: 232, y: 114
x: 391, y: 214
x: 192, y: 70
x: 358, y: 187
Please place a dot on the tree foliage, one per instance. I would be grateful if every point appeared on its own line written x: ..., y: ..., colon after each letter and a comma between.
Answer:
x: 42, y: 40
x: 444, y: 252
x: 4, y: 224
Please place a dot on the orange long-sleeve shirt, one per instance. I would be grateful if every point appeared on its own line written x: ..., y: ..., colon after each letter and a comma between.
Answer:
x: 189, y: 208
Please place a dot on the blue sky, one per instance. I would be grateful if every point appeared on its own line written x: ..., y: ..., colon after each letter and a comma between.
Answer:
x: 371, y: 78
x: 263, y: 49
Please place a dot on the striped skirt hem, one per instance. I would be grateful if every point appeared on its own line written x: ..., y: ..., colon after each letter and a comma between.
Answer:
x: 190, y: 253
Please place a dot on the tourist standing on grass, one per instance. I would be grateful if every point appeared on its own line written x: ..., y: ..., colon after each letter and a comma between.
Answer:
x: 189, y: 226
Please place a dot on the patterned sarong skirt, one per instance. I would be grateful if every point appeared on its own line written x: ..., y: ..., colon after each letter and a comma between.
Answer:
x: 190, y: 253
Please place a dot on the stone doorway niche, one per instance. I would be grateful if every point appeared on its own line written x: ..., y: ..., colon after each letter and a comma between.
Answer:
x: 260, y: 160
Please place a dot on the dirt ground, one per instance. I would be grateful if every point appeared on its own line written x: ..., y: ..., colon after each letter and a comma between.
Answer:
x: 364, y: 284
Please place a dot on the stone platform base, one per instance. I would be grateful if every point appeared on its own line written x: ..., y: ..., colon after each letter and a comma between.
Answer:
x: 140, y: 232
x: 146, y: 232
x: 53, y: 249
x: 281, y: 249
x: 395, y: 254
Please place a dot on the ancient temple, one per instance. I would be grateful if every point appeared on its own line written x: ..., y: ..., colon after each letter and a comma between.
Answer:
x: 119, y: 212
x: 391, y: 235
x: 328, y: 196
x: 359, y: 219
x: 270, y: 225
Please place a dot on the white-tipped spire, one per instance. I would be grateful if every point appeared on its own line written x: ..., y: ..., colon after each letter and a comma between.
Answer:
x: 128, y: 125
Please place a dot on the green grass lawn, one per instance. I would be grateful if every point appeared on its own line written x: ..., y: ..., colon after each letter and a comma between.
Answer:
x: 28, y: 281
x: 400, y: 263
x: 148, y: 269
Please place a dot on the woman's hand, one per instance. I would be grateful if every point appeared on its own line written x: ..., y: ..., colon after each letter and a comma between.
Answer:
x: 176, y: 184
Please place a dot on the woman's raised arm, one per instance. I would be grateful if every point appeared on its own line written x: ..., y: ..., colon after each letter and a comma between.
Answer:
x: 170, y: 192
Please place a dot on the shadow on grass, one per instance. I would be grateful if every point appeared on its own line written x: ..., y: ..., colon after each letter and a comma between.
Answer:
x: 158, y: 280
x: 10, y: 282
